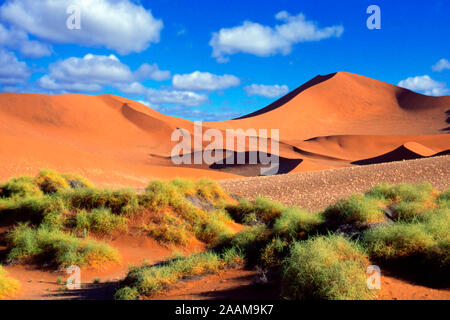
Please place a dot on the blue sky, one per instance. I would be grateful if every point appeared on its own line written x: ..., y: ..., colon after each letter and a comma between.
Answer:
x: 212, y: 60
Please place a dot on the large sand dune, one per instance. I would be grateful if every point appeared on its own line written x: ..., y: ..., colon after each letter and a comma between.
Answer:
x: 332, y: 121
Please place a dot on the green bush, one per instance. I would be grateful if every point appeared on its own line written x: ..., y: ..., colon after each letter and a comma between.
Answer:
x: 261, y: 210
x: 100, y: 221
x: 418, y: 250
x: 33, y: 209
x: 20, y: 187
x: 50, y: 181
x: 57, y: 248
x: 403, y: 192
x: 356, y: 209
x: 296, y: 223
x: 123, y: 201
x: 325, y: 268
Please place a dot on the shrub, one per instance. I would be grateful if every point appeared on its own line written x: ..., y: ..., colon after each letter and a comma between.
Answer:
x: 8, y: 286
x: 261, y: 210
x: 123, y: 201
x: 274, y: 253
x: 409, y: 211
x: 20, y: 187
x: 51, y: 181
x: 169, y: 229
x: 296, y: 223
x: 357, y: 209
x: 325, y: 268
x: 419, y: 250
x: 403, y: 192
x: 57, y: 248
x: 33, y: 209
x: 100, y: 221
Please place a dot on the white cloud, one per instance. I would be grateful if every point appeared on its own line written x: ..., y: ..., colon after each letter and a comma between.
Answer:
x: 261, y: 40
x: 185, y: 98
x: 18, y: 40
x: 425, y: 84
x: 12, y: 71
x: 441, y: 65
x: 147, y: 71
x: 269, y: 91
x: 120, y: 25
x: 93, y: 72
x: 199, y: 81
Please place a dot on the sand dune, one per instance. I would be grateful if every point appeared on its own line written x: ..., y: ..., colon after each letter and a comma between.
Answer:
x: 337, y: 120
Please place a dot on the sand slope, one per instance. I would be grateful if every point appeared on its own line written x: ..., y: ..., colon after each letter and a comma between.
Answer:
x: 332, y: 121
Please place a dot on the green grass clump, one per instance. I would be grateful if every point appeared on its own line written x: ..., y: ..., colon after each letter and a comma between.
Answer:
x: 50, y: 181
x: 124, y: 201
x: 403, y: 192
x: 8, y: 286
x: 168, y: 228
x: 34, y: 209
x: 419, y: 249
x: 177, y: 218
x: 274, y: 253
x: 261, y: 210
x: 100, y: 221
x: 20, y: 187
x: 150, y: 280
x: 58, y: 248
x: 297, y: 224
x: 325, y: 268
x: 356, y: 209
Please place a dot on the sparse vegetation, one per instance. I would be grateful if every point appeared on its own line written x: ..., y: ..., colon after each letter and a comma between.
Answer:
x: 150, y: 280
x: 53, y: 217
x: 8, y: 286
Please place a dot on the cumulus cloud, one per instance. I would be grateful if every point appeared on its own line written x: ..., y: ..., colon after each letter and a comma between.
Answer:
x: 425, y: 84
x: 198, y: 81
x: 441, y: 65
x: 93, y: 72
x: 147, y: 71
x: 18, y: 40
x: 184, y: 98
x: 269, y: 91
x: 120, y: 25
x: 12, y: 71
x: 261, y: 40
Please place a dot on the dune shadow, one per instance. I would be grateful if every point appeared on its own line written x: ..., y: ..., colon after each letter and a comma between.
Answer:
x: 401, y: 153
x: 240, y: 163
x: 101, y: 291
x: 447, y: 120
x: 288, y: 97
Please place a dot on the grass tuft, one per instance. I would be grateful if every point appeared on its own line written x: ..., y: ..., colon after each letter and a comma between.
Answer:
x: 325, y: 268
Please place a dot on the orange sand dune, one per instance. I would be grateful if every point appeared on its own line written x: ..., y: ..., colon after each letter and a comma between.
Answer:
x: 330, y: 121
